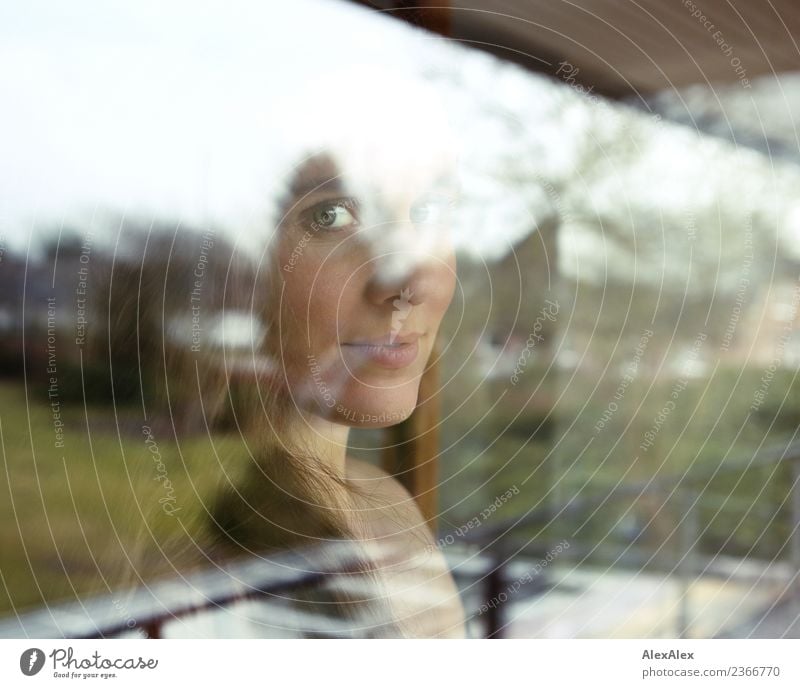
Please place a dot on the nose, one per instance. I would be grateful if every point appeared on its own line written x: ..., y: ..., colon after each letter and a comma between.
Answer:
x: 406, y: 275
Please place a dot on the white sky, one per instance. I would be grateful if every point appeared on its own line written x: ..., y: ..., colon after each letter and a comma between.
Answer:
x: 159, y: 107
x: 191, y: 111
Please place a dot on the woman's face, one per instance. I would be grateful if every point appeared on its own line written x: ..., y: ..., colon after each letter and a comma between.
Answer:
x: 364, y: 283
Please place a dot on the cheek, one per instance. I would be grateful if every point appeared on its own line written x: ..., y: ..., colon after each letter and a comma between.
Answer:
x: 445, y: 284
x: 317, y: 296
x: 320, y: 303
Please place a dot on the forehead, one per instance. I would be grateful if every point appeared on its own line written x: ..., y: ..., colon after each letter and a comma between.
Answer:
x: 386, y: 179
x: 316, y: 173
x: 379, y: 134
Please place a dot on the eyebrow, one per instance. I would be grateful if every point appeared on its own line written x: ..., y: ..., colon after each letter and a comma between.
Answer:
x: 319, y: 173
x: 304, y: 186
x: 450, y: 181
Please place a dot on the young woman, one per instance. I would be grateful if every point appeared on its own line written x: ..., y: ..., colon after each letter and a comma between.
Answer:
x: 349, y: 291
x: 360, y: 307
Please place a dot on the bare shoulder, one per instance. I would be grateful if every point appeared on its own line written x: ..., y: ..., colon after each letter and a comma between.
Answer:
x: 409, y: 554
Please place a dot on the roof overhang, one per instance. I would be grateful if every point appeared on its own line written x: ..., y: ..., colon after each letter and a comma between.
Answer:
x: 622, y: 48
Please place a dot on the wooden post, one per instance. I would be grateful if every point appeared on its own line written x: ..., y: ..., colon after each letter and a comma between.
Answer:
x: 412, y: 447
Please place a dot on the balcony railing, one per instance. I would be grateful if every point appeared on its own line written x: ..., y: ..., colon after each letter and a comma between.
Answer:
x: 484, y: 564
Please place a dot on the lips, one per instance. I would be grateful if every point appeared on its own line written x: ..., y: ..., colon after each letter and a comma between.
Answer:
x: 387, y: 351
x: 390, y: 339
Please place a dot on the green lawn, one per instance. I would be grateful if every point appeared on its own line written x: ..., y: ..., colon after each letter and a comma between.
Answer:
x: 86, y: 518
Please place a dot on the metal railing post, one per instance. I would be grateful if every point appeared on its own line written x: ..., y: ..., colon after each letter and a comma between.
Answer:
x: 495, y: 581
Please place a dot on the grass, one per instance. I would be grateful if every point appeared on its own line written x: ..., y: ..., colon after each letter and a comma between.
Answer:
x: 86, y: 518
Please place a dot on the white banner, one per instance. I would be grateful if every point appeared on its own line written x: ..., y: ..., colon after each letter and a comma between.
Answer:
x: 400, y: 663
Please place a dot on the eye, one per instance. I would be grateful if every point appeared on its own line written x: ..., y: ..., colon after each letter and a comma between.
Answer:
x: 334, y: 215
x: 431, y: 210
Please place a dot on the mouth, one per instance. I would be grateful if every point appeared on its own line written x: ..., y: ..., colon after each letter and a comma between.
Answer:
x: 388, y: 351
x: 389, y: 339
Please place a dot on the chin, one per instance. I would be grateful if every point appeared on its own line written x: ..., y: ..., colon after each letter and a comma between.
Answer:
x: 379, y: 410
x: 379, y: 419
x: 367, y: 401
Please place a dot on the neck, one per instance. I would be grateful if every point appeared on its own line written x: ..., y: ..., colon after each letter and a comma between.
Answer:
x: 327, y: 440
